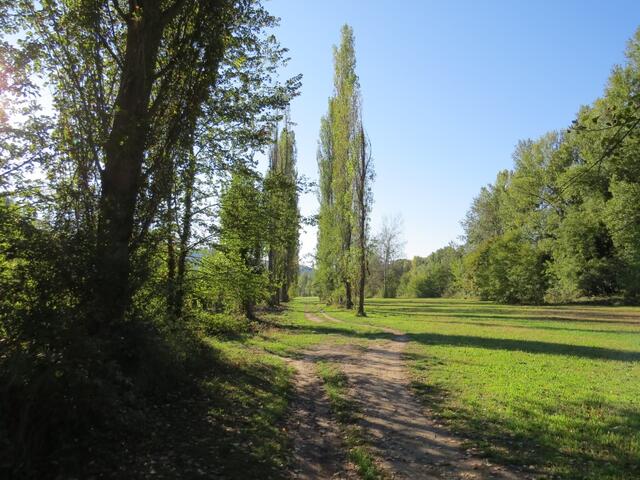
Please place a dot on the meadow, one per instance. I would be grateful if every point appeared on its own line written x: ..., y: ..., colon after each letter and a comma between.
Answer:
x: 555, y: 389
x: 553, y: 392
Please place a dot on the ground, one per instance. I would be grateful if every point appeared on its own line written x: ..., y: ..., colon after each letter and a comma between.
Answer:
x: 419, y: 389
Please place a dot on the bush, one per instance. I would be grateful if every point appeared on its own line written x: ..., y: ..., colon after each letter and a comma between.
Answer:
x: 508, y: 269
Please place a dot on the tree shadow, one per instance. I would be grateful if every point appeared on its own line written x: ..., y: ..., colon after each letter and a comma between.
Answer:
x: 527, y: 327
x: 528, y: 346
x: 494, y: 314
x: 346, y: 331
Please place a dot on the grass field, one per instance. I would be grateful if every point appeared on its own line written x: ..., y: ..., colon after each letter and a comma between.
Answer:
x: 554, y: 389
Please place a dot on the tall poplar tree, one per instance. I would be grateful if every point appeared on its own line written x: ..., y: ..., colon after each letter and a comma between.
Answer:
x: 282, y: 203
x: 345, y: 175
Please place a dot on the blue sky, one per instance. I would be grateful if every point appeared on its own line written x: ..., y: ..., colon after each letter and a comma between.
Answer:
x: 449, y: 88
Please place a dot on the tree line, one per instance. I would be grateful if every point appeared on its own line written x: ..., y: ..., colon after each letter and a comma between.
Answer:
x: 562, y: 225
x: 133, y: 214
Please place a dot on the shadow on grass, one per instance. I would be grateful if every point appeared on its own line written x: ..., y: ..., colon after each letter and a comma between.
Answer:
x: 490, y: 343
x: 528, y: 346
x: 497, y: 324
x: 493, y: 314
x: 346, y: 331
x: 596, y: 441
x: 229, y: 426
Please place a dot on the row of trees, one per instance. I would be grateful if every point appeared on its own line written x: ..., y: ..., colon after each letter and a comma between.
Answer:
x: 131, y: 208
x: 256, y: 258
x: 562, y: 225
x: 345, y: 177
x: 565, y: 222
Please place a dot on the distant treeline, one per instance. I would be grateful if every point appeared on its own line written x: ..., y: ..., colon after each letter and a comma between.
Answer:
x: 562, y: 225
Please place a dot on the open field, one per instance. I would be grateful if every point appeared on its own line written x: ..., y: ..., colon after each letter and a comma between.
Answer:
x: 555, y: 389
x: 550, y: 392
x: 417, y: 389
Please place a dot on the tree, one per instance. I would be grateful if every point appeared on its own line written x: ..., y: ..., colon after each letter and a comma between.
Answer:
x: 342, y: 155
x: 433, y: 276
x: 328, y: 245
x: 109, y: 196
x: 389, y: 245
x: 281, y: 191
x: 509, y: 269
x: 237, y: 264
x: 363, y: 199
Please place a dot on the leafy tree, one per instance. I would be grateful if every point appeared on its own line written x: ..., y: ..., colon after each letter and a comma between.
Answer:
x: 281, y: 184
x: 345, y: 168
x: 432, y: 276
x: 508, y: 269
x: 236, y: 266
x: 306, y: 282
x: 109, y: 197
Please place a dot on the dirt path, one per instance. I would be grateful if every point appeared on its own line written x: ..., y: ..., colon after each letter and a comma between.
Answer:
x: 408, y: 443
x: 317, y: 448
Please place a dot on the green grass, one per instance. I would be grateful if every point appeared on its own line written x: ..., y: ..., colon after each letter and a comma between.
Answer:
x: 553, y: 389
x: 346, y: 411
x: 238, y: 422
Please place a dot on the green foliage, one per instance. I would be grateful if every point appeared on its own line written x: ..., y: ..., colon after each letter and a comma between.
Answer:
x: 306, y: 283
x: 281, y: 198
x: 234, y: 273
x: 573, y: 199
x: 432, y: 276
x: 584, y: 261
x: 104, y: 202
x: 345, y: 175
x: 508, y: 269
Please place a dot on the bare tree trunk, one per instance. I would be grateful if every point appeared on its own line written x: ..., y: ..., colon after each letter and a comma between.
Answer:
x: 284, y: 293
x: 171, y: 257
x: 362, y: 220
x: 275, y: 296
x: 384, y: 279
x: 363, y: 268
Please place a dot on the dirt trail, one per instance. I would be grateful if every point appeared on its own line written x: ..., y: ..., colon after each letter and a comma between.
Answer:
x: 317, y: 446
x: 408, y: 443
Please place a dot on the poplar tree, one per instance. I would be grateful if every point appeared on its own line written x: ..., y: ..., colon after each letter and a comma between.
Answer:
x: 282, y: 203
x: 345, y: 174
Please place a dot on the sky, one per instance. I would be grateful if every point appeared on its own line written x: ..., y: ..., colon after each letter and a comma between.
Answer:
x: 449, y: 87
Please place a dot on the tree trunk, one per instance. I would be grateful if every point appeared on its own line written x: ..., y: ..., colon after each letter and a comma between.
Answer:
x: 124, y: 154
x: 171, y: 257
x: 363, y: 258
x: 384, y: 281
x: 348, y: 300
x: 362, y: 220
x: 284, y: 293
x: 275, y: 295
x: 185, y: 234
